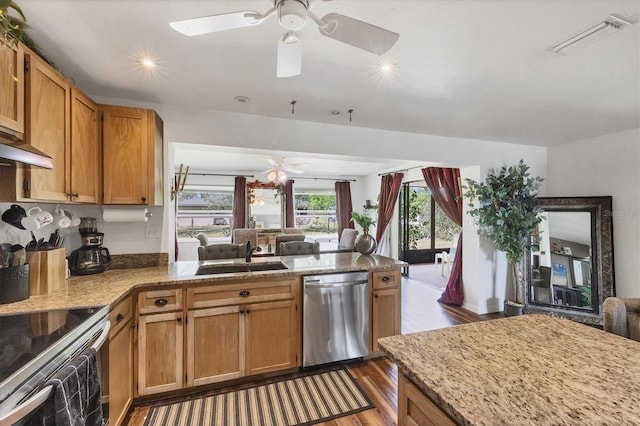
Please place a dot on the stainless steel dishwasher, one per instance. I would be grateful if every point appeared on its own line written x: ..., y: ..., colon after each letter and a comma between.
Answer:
x: 335, y: 317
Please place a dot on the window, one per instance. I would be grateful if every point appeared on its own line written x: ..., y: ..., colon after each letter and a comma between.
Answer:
x: 210, y: 212
x: 315, y: 212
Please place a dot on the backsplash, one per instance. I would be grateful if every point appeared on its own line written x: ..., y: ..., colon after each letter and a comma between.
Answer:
x: 119, y: 237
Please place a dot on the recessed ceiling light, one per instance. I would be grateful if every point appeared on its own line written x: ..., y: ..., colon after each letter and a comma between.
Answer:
x: 241, y: 99
x: 148, y: 63
x: 334, y: 112
x: 387, y: 67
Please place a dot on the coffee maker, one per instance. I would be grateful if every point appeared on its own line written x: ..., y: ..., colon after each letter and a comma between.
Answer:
x: 91, y: 258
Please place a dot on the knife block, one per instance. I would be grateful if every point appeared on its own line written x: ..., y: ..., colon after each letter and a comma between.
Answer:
x: 48, y: 271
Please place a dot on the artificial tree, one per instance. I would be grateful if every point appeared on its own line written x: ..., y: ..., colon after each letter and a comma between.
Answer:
x: 505, y: 209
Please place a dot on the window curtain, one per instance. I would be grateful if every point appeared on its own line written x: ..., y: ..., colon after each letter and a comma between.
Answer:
x: 444, y: 184
x: 344, y: 206
x: 289, y: 201
x: 389, y: 189
x: 240, y: 203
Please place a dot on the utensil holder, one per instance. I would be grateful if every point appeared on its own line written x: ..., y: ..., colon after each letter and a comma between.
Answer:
x: 14, y: 284
x: 48, y: 271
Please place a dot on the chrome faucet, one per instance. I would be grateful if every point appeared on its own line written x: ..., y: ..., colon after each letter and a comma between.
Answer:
x: 250, y: 250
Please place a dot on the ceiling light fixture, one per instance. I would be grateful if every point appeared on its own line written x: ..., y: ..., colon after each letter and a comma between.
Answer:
x: 241, y: 99
x: 610, y: 25
x: 148, y: 63
x: 387, y: 67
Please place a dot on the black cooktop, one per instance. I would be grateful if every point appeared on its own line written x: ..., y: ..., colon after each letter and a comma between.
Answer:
x: 24, y: 336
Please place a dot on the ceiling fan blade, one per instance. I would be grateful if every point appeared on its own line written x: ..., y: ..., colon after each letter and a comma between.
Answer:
x: 357, y: 33
x: 292, y: 170
x: 289, y: 56
x: 273, y: 162
x: 213, y: 23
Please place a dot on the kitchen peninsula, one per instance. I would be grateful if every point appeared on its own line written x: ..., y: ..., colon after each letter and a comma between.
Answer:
x: 179, y: 327
x: 531, y: 369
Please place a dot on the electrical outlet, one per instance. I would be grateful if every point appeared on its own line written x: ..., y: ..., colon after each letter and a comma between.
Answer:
x: 153, y: 232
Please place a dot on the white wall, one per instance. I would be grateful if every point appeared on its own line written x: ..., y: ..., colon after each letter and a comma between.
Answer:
x: 606, y: 165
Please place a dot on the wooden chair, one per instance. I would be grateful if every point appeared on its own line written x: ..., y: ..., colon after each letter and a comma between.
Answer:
x: 221, y: 251
x: 293, y: 248
x: 287, y: 238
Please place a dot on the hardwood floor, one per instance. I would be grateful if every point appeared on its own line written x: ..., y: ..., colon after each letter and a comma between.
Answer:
x: 378, y: 377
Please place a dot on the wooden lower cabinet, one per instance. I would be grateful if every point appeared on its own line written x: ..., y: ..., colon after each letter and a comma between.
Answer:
x: 215, y: 345
x: 160, y: 352
x: 270, y: 337
x: 120, y: 372
x: 385, y: 305
x: 417, y: 409
x: 240, y: 340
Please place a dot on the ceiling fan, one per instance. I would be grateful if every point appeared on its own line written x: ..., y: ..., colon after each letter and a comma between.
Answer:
x: 292, y: 15
x: 277, y: 172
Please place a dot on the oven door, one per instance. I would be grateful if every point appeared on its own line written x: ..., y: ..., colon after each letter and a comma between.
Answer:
x: 24, y: 390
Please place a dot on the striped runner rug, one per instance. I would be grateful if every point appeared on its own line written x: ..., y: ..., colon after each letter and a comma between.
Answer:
x: 299, y: 401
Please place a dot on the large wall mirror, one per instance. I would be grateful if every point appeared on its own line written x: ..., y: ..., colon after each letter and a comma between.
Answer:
x: 265, y: 205
x: 570, y: 264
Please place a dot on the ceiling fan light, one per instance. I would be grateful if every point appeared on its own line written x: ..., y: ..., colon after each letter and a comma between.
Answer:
x: 292, y: 14
x: 272, y: 176
x: 282, y: 176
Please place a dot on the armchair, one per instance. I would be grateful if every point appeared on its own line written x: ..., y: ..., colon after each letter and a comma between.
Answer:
x: 622, y: 317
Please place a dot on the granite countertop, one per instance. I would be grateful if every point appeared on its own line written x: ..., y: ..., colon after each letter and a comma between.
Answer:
x: 526, y: 370
x: 111, y: 286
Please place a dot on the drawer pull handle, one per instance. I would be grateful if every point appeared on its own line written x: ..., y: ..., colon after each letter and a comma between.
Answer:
x: 244, y: 293
x: 248, y: 311
x: 179, y: 319
x: 375, y: 296
x: 119, y: 317
x: 385, y: 279
x: 161, y: 302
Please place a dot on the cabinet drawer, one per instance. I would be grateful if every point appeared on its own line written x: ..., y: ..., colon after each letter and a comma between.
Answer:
x: 159, y: 301
x: 120, y: 315
x: 385, y: 279
x: 240, y: 293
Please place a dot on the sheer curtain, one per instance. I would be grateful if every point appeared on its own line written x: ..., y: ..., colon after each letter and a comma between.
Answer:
x: 343, y: 206
x: 444, y: 184
x: 389, y: 189
x: 240, y: 203
x: 289, y: 201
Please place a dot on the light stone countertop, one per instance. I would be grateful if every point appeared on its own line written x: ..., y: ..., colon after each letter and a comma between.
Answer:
x: 111, y: 286
x: 525, y: 370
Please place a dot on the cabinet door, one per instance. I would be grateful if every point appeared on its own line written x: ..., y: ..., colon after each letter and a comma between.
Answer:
x: 85, y: 149
x: 160, y: 349
x: 120, y: 373
x: 270, y: 337
x: 125, y: 155
x: 385, y: 315
x: 12, y: 88
x: 215, y: 345
x: 48, y: 129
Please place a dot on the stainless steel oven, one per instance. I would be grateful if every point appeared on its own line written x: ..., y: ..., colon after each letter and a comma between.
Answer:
x: 34, y: 346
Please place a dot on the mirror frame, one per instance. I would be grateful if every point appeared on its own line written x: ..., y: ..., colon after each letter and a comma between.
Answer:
x: 279, y: 191
x: 602, y: 272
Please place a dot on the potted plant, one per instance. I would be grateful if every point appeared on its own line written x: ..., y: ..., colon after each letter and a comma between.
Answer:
x: 505, y: 209
x: 12, y: 27
x: 365, y: 243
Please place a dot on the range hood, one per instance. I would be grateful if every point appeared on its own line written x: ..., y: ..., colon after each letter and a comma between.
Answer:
x: 22, y: 153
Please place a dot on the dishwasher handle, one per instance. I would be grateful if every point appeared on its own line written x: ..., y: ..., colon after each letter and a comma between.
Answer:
x: 312, y: 284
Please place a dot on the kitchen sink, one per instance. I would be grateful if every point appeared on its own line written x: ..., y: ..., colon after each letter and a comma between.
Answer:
x: 239, y: 267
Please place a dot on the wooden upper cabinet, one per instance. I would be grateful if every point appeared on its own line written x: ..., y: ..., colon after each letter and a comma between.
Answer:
x: 132, y: 155
x: 85, y: 176
x: 48, y: 111
x: 11, y: 89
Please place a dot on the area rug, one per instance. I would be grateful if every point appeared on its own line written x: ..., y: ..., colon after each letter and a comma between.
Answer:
x: 299, y: 401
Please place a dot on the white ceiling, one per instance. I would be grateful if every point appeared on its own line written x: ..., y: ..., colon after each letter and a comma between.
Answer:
x: 475, y: 69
